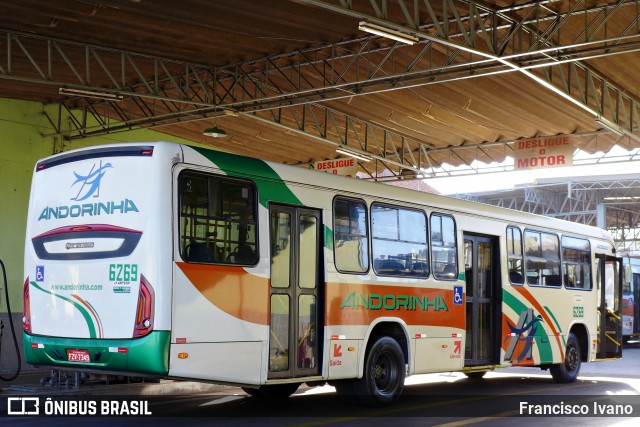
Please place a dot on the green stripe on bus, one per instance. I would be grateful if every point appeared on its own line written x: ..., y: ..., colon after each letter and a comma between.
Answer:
x: 272, y: 187
x: 85, y: 313
x: 328, y: 238
x: 564, y: 341
x: 148, y: 355
x: 542, y: 339
x: 97, y: 315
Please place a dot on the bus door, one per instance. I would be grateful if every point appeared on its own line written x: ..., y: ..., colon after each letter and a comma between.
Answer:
x: 609, y: 306
x: 296, y: 258
x: 483, y: 299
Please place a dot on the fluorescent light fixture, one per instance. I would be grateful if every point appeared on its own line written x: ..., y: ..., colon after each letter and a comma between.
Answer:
x: 214, y: 132
x: 90, y: 94
x: 231, y: 113
x: 387, y: 32
x: 622, y: 198
x: 355, y: 154
x: 610, y: 126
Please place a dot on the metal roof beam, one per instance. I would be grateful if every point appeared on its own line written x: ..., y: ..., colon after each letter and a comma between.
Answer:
x: 528, y: 37
x: 163, y: 91
x: 345, y: 69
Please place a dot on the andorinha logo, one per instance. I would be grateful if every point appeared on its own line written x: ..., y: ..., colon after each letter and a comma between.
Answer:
x: 355, y: 300
x: 88, y: 209
x: 525, y: 331
x: 88, y: 185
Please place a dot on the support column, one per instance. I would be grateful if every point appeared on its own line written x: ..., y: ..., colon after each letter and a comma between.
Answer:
x: 601, y: 215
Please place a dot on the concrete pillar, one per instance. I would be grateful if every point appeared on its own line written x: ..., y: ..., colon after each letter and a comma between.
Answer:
x: 601, y: 215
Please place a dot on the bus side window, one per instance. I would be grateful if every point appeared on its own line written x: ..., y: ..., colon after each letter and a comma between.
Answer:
x: 542, y: 252
x: 514, y: 255
x: 217, y: 219
x: 576, y: 263
x: 351, y: 242
x: 399, y: 241
x: 443, y: 247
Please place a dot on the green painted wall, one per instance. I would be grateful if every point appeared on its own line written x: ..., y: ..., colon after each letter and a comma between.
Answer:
x: 26, y: 136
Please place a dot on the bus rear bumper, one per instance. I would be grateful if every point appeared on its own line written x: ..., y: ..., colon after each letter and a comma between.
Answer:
x: 148, y: 355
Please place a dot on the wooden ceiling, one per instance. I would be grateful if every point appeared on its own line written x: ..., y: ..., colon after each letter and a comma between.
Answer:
x: 469, y: 108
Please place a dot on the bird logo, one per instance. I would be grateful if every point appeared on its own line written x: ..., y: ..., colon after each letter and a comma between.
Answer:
x: 90, y: 183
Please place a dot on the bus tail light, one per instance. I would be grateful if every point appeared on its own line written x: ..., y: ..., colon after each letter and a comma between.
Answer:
x: 26, y: 315
x: 145, y: 311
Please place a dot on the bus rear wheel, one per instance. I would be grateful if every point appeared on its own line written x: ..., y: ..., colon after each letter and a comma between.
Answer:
x: 384, y: 373
x: 567, y: 372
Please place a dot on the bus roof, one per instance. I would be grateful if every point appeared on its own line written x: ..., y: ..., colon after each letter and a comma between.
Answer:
x: 362, y: 188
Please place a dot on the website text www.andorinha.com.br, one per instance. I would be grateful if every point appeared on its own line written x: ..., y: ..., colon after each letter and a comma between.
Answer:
x: 78, y: 287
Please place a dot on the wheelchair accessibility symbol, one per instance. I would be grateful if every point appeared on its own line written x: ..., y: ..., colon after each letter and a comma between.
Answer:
x: 457, y: 295
x: 39, y: 273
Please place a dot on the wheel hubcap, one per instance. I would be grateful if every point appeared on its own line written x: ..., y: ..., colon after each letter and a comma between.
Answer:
x: 383, y: 373
x: 572, y: 358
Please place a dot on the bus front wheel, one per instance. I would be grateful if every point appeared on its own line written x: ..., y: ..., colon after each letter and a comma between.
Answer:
x: 567, y: 372
x: 475, y: 375
x: 384, y: 373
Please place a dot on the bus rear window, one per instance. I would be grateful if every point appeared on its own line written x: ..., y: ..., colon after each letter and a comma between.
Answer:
x: 217, y: 219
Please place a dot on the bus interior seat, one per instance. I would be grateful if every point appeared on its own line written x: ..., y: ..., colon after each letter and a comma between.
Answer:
x: 244, y: 254
x: 419, y: 268
x: 515, y: 277
x: 198, y: 252
x: 553, y: 280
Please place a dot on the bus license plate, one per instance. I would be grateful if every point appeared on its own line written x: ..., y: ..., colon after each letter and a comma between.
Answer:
x: 78, y: 356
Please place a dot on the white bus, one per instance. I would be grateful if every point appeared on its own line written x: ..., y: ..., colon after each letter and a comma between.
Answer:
x: 167, y: 260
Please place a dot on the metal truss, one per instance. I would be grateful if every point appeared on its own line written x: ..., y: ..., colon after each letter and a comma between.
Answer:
x: 581, y: 201
x: 469, y: 40
x: 627, y: 237
x: 524, y: 38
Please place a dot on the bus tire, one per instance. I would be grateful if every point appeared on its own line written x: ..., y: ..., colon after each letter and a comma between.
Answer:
x: 276, y: 391
x: 567, y: 372
x: 476, y: 375
x: 253, y: 392
x: 384, y: 372
x: 344, y: 388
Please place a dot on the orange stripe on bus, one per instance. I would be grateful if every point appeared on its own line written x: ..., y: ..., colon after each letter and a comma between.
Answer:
x: 361, y: 304
x: 525, y: 293
x: 232, y: 290
x: 93, y: 313
x: 520, y: 344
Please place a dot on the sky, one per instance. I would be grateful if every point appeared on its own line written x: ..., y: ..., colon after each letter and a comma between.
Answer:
x: 508, y: 180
